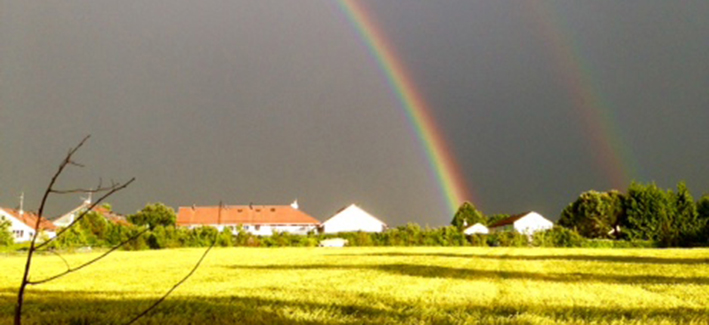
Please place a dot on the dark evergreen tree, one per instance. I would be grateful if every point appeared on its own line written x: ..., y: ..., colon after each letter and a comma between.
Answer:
x: 648, y: 212
x: 686, y: 224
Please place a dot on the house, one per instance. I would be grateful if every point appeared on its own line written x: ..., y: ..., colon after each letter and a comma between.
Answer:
x: 256, y: 219
x: 352, y: 218
x: 22, y: 224
x: 477, y: 228
x: 525, y: 223
x: 69, y: 217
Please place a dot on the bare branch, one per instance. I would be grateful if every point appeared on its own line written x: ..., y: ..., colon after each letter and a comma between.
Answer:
x: 159, y: 301
x: 115, y: 188
x: 40, y: 213
x: 84, y: 190
x: 68, y: 267
x: 71, y: 270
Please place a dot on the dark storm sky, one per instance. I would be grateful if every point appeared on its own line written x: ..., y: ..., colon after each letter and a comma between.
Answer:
x: 269, y: 101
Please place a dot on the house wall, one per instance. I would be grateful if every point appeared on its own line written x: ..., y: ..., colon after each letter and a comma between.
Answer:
x: 352, y: 220
x: 20, y: 231
x: 532, y: 223
x: 265, y: 230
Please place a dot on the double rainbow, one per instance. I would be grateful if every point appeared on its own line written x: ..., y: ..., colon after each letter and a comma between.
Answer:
x: 439, y: 157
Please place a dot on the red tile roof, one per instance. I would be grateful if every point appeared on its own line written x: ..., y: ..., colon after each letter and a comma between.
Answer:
x: 509, y: 220
x: 243, y: 214
x: 30, y: 219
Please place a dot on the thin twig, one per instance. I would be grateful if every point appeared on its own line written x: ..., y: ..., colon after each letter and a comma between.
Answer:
x: 40, y: 213
x: 159, y: 301
x: 85, y: 212
x: 68, y: 267
x: 71, y: 270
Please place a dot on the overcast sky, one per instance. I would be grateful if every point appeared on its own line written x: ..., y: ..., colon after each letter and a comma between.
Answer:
x: 269, y: 101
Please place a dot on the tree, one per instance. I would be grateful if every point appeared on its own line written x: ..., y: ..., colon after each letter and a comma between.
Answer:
x: 467, y: 215
x: 5, y: 234
x: 153, y: 215
x: 35, y: 246
x: 496, y: 217
x: 648, y: 212
x: 686, y: 224
x: 593, y: 214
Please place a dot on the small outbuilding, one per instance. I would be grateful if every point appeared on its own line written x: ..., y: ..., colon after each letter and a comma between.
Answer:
x: 477, y: 228
x: 352, y: 218
x: 524, y: 223
x: 333, y: 242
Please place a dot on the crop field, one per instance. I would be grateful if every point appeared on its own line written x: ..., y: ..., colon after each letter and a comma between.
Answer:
x: 370, y: 286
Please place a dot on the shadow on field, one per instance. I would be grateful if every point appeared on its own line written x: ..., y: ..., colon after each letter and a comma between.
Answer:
x: 587, y: 258
x: 434, y: 271
x: 48, y: 307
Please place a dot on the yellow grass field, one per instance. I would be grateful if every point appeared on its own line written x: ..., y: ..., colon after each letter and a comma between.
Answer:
x: 371, y: 286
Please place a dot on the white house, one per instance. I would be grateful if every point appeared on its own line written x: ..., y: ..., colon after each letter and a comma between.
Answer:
x: 22, y: 224
x: 260, y: 220
x: 477, y: 228
x: 525, y: 223
x: 352, y: 218
x: 69, y: 217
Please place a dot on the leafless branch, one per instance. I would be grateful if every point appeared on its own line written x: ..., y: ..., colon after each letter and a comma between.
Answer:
x: 115, y: 188
x: 68, y: 161
x: 159, y: 301
x: 63, y: 259
x: 71, y: 270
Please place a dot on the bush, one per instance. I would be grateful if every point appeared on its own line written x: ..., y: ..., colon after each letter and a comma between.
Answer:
x: 557, y: 237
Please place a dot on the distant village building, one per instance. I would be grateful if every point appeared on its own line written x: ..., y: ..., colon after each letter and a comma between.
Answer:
x: 525, y: 223
x: 477, y: 228
x: 352, y: 218
x: 69, y: 217
x: 261, y: 220
x: 22, y: 224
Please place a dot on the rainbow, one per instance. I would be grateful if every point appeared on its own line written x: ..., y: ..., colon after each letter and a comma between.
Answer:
x: 601, y: 124
x: 441, y: 162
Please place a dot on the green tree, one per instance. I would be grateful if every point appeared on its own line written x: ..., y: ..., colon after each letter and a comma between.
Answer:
x: 467, y: 215
x: 686, y: 225
x: 6, y: 238
x: 593, y: 214
x: 496, y: 217
x: 153, y: 215
x: 648, y: 211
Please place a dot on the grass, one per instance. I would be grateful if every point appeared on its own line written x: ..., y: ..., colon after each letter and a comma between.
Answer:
x: 371, y: 286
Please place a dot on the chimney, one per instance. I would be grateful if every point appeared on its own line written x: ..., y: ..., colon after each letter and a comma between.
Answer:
x: 294, y: 205
x: 22, y: 204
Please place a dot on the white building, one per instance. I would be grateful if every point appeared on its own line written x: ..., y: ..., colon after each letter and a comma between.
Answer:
x: 352, y: 218
x: 262, y: 220
x: 22, y: 224
x: 477, y: 228
x: 525, y: 223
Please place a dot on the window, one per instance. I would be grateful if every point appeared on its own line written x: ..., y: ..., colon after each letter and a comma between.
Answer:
x: 258, y: 227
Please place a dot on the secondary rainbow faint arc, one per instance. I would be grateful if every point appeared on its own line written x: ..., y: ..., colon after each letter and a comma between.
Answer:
x: 601, y: 123
x: 439, y: 157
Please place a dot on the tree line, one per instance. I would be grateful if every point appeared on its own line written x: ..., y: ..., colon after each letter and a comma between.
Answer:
x: 644, y: 216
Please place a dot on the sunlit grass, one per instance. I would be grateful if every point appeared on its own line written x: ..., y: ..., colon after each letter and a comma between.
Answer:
x: 372, y: 285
